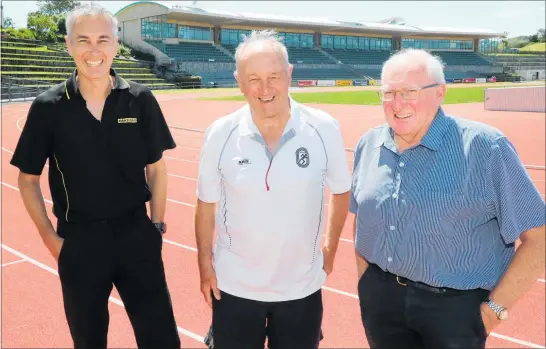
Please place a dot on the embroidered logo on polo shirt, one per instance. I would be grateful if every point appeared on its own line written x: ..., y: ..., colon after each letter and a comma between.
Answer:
x: 242, y: 161
x: 127, y: 121
x: 302, y: 157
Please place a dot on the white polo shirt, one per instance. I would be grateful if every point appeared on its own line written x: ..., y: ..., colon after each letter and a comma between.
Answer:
x: 270, y: 207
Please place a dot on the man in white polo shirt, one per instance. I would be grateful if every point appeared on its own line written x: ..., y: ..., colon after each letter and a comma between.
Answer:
x: 262, y: 179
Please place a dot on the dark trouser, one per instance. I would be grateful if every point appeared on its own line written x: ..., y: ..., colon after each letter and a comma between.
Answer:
x: 239, y: 323
x: 397, y: 316
x: 125, y: 252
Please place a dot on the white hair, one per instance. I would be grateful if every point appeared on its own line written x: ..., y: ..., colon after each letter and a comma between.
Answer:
x: 90, y: 9
x: 259, y: 38
x: 415, y: 59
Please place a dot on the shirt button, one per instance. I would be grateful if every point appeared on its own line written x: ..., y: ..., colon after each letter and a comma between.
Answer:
x: 392, y: 227
x: 389, y: 259
x: 395, y: 195
x: 401, y: 164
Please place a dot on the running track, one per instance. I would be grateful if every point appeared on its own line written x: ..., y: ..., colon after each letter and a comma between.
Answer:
x: 32, y: 309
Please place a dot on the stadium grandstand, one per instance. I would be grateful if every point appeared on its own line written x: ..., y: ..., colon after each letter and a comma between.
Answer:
x: 202, y: 42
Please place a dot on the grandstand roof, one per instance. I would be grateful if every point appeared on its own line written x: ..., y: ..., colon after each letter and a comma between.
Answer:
x: 217, y: 17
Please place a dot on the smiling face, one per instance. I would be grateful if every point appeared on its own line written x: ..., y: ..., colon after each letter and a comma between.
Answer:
x: 264, y: 79
x: 93, y: 47
x: 410, y: 119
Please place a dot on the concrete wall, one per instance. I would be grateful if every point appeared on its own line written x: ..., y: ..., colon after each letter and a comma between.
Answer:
x: 130, y: 30
x: 531, y: 74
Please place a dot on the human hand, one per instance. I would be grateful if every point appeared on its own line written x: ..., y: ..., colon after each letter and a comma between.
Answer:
x: 328, y: 260
x: 489, y: 318
x: 54, y: 245
x: 208, y: 284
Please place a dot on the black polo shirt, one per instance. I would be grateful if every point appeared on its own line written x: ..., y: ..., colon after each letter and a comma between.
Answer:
x: 96, y: 168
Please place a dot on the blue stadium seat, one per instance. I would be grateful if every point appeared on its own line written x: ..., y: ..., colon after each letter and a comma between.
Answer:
x: 193, y: 52
x: 359, y: 56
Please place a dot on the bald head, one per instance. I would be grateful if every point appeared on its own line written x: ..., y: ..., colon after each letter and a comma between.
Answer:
x: 413, y: 61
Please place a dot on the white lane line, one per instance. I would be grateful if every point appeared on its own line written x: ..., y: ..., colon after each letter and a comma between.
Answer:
x: 14, y: 262
x: 182, y: 177
x: 179, y: 159
x: 352, y: 295
x: 111, y: 298
x: 180, y: 245
x: 515, y: 340
x: 15, y: 188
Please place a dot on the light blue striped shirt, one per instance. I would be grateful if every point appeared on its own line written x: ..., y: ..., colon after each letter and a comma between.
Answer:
x: 445, y: 212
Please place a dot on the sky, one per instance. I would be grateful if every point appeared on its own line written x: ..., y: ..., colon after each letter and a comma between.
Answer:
x: 515, y: 17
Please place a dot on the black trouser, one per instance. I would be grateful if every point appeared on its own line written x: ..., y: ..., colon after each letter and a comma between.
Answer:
x: 239, y: 323
x: 415, y: 316
x: 125, y: 252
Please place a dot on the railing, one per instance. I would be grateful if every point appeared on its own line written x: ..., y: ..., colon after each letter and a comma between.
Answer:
x: 147, y: 48
x: 12, y: 91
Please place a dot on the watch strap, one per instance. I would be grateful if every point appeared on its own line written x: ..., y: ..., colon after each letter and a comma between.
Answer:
x: 495, y: 307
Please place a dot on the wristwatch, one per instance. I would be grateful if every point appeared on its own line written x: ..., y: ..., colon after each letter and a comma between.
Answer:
x: 500, y: 311
x: 161, y: 226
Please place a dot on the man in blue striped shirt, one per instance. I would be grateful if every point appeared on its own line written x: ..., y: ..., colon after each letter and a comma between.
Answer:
x: 439, y: 203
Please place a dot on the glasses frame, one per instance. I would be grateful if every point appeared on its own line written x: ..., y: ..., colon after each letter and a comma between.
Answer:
x: 418, y: 89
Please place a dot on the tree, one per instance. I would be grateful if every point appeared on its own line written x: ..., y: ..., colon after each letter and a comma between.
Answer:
x: 43, y: 26
x: 8, y: 23
x: 541, y: 35
x: 57, y: 7
x: 61, y: 23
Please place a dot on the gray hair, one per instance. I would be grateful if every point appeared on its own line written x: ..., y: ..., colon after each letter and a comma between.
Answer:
x: 90, y: 10
x: 415, y: 59
x: 261, y: 37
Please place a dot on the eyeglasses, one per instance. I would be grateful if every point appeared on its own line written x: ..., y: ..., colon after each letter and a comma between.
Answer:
x: 408, y: 95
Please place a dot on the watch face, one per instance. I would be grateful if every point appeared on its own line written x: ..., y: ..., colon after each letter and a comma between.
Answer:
x: 503, y: 315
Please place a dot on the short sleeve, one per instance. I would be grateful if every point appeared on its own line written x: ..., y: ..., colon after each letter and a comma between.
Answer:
x: 159, y: 136
x: 517, y: 202
x: 353, y: 204
x: 35, y: 143
x: 338, y: 176
x: 209, y: 178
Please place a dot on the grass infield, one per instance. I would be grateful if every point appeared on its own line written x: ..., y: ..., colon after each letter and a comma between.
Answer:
x: 370, y: 97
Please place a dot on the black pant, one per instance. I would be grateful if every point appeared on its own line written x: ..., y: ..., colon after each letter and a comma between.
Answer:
x: 125, y: 252
x: 398, y: 316
x: 239, y: 323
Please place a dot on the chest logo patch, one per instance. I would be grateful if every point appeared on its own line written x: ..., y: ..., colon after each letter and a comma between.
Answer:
x: 302, y: 157
x: 127, y: 121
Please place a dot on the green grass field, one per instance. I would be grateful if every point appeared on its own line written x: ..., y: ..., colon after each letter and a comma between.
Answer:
x: 536, y: 47
x: 370, y: 97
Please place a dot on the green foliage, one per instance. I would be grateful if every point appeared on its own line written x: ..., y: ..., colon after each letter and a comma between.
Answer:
x: 57, y: 7
x: 61, y: 23
x: 539, y: 36
x: 21, y: 33
x: 124, y: 51
x: 43, y: 26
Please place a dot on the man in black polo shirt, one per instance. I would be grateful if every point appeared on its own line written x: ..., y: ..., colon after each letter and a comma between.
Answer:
x: 104, y: 138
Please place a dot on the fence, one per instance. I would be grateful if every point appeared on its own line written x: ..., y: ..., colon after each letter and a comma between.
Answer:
x: 12, y: 91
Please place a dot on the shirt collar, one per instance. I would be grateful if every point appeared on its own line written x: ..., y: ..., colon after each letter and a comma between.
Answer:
x: 433, y: 138
x: 247, y: 127
x: 71, y: 85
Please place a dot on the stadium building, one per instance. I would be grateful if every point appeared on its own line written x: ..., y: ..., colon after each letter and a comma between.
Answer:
x: 202, y: 42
